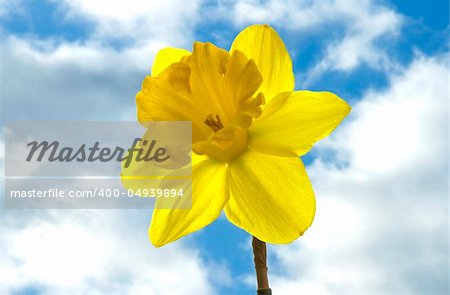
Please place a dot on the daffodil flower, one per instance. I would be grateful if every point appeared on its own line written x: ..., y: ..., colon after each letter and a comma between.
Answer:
x: 249, y: 129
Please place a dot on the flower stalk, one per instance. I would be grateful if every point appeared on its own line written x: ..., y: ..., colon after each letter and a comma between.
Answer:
x: 260, y: 259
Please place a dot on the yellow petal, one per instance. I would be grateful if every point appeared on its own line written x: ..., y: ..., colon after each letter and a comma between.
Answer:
x: 197, y: 159
x: 168, y: 98
x: 262, y: 44
x: 175, y: 138
x: 271, y: 197
x: 241, y: 78
x: 209, y: 83
x: 209, y: 194
x: 221, y: 83
x: 293, y: 122
x: 165, y: 57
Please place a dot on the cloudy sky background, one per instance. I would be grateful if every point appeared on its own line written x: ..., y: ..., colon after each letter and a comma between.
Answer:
x: 381, y: 180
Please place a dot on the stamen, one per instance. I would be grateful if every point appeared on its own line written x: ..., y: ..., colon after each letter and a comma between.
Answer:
x: 214, y: 123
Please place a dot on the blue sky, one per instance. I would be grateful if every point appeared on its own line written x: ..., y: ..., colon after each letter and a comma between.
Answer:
x: 79, y: 60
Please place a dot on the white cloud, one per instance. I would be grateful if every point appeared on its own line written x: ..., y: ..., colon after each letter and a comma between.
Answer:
x: 47, y: 78
x: 68, y: 82
x: 172, y: 20
x: 382, y: 220
x: 95, y: 252
x: 363, y: 24
x: 7, y: 5
x: 92, y: 252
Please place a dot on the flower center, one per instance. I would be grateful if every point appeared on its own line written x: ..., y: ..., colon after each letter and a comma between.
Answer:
x: 229, y: 140
x: 213, y: 122
x: 224, y: 144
